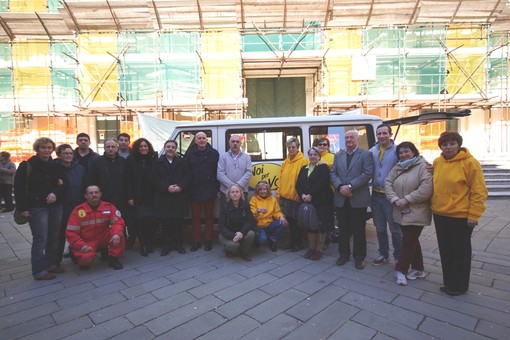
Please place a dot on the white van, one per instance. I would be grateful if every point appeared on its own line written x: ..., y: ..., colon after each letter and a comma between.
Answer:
x: 264, y: 139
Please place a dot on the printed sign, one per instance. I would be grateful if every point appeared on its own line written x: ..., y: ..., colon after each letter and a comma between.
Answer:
x: 269, y: 172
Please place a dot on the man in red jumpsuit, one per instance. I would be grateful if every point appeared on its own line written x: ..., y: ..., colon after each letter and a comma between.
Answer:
x: 93, y: 225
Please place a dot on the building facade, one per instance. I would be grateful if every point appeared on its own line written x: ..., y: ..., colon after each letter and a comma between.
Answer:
x: 67, y: 68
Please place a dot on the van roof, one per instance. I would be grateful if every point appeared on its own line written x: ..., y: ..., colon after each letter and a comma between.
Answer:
x: 352, y: 118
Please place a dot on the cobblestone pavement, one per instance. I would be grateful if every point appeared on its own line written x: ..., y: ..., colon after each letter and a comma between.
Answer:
x: 277, y: 295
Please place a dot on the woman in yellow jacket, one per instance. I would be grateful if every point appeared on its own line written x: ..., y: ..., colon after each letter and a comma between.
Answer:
x: 457, y: 204
x: 287, y: 194
x: 269, y: 217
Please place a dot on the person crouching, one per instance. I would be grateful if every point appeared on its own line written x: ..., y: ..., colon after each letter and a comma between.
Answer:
x: 95, y: 225
x: 236, y: 224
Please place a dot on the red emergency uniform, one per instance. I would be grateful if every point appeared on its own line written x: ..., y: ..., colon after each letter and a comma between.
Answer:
x: 95, y: 228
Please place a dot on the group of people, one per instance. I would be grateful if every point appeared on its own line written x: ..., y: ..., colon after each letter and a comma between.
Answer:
x: 134, y: 188
x: 407, y: 192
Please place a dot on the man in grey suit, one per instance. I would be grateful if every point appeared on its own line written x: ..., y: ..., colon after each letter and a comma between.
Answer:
x: 351, y: 171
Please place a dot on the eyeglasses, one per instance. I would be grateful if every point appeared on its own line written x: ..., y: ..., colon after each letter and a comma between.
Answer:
x: 323, y: 144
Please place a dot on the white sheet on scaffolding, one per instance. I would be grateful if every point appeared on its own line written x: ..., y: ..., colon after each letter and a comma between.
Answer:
x: 156, y: 130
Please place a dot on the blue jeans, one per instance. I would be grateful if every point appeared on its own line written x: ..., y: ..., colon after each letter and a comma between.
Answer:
x: 275, y: 230
x: 45, y: 224
x: 382, y: 211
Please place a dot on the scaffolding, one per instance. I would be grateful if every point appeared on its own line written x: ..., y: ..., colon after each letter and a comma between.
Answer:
x: 59, y: 86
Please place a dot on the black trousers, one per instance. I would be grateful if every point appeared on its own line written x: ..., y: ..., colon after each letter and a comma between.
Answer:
x: 454, y: 240
x: 352, y: 222
x: 6, y: 192
x: 171, y: 230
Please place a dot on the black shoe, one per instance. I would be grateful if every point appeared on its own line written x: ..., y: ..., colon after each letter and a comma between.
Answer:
x: 454, y: 292
x: 272, y: 246
x: 195, y: 246
x: 246, y: 257
x: 207, y: 246
x: 165, y: 251
x: 309, y: 254
x: 143, y: 250
x: 180, y: 249
x: 115, y: 263
x: 359, y: 264
x: 341, y: 261
x: 444, y: 289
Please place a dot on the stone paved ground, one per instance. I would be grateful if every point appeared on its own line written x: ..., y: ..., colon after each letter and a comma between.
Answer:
x: 278, y: 295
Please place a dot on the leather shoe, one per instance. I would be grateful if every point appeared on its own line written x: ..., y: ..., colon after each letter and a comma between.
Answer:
x: 47, y: 276
x: 57, y: 270
x: 180, y: 249
x: 115, y: 263
x: 207, y: 246
x: 454, y: 292
x: 195, y: 246
x: 443, y: 289
x: 165, y: 251
x: 341, y: 261
x: 359, y: 264
x: 246, y: 257
x: 309, y: 253
x: 273, y: 246
x: 317, y: 255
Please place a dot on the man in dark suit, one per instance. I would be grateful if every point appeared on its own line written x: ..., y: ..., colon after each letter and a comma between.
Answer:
x: 351, y: 171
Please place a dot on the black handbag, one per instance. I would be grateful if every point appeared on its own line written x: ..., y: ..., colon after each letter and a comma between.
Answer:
x: 16, y: 214
x: 18, y: 218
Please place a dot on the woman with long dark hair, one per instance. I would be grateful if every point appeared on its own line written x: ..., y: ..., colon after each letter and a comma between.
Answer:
x: 141, y: 192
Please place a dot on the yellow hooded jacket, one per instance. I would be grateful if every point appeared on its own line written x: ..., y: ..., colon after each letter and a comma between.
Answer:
x: 328, y: 158
x: 272, y: 207
x: 288, y: 176
x: 459, y: 187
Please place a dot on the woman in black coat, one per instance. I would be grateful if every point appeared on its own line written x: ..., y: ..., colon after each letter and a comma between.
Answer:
x: 313, y: 187
x: 140, y: 192
x: 171, y: 178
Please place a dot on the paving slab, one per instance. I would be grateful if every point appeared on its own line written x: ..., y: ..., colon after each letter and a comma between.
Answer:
x: 277, y: 295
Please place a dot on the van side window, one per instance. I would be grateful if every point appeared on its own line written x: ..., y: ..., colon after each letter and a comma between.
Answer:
x: 336, y: 134
x: 186, y: 138
x: 265, y: 144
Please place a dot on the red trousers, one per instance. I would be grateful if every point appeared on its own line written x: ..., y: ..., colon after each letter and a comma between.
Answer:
x: 196, y: 214
x: 102, y: 241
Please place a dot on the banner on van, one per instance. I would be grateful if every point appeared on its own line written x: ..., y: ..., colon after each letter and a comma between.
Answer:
x: 269, y: 172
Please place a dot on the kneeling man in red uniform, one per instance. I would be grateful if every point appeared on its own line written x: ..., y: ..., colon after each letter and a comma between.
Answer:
x: 93, y: 225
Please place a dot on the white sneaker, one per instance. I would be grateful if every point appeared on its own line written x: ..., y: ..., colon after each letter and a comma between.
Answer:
x: 401, y: 278
x: 415, y: 274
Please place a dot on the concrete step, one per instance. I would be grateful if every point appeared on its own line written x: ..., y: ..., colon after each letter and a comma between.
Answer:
x: 498, y: 187
x: 499, y: 195
x: 496, y: 170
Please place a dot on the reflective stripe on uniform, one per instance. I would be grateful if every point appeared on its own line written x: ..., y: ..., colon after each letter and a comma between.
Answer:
x: 73, y: 227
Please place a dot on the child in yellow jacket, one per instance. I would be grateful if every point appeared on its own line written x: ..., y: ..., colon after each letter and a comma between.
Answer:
x: 270, y: 219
